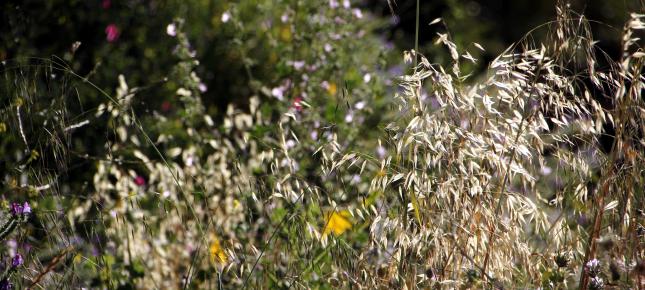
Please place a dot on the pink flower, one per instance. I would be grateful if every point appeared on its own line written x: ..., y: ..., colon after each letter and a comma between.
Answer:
x: 140, y: 181
x: 112, y: 32
x: 297, y: 103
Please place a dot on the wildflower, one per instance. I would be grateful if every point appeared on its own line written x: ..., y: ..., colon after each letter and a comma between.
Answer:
x: 349, y: 117
x: 332, y: 89
x: 139, y: 180
x: 226, y: 16
x: 360, y: 105
x: 337, y: 223
x: 26, y: 208
x: 284, y: 18
x: 190, y: 161
x: 217, y: 255
x: 5, y: 285
x: 298, y: 64
x: 297, y: 103
x: 546, y: 170
x: 346, y: 4
x: 355, y: 179
x: 357, y: 13
x: 202, y: 87
x: 171, y: 29
x: 17, y: 260
x: 278, y: 92
x: 112, y: 32
x: 380, y: 152
x: 327, y: 47
x: 367, y: 78
x: 106, y: 4
x: 333, y: 4
x: 290, y: 144
x: 184, y: 92
x: 17, y: 209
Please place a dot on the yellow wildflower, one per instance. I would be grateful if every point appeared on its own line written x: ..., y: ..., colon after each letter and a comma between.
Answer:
x: 332, y: 89
x: 216, y: 252
x: 337, y: 222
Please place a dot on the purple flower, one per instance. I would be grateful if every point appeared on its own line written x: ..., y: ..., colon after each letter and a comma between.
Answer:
x: 17, y: 260
x: 17, y: 209
x: 26, y: 208
x: 5, y: 285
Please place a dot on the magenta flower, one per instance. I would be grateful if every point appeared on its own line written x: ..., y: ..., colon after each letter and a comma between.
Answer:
x: 140, y: 181
x: 112, y: 32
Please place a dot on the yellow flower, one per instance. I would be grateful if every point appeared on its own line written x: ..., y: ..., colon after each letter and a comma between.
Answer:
x: 337, y: 222
x: 217, y: 254
x: 332, y: 89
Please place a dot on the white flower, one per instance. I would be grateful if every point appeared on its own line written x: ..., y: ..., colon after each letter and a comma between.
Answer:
x: 278, y: 92
x: 284, y: 18
x: 290, y: 144
x: 183, y: 92
x: 367, y: 78
x: 226, y: 16
x: 202, y: 87
x: 171, y: 29
x: 546, y: 170
x: 346, y: 4
x: 298, y: 64
x: 360, y: 105
x: 349, y: 117
x: 357, y: 13
x: 333, y: 4
x: 328, y: 47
